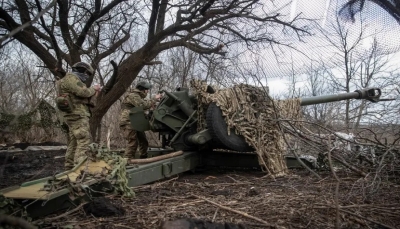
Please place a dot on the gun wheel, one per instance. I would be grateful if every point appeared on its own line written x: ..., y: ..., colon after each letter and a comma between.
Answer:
x: 219, y: 131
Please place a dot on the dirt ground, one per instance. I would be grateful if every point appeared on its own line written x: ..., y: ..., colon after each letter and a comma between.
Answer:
x: 247, y: 199
x: 19, y: 167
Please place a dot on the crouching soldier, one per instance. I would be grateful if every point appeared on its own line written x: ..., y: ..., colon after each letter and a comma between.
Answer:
x: 136, y: 139
x: 73, y: 100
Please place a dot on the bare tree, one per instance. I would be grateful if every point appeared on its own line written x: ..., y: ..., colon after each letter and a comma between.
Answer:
x: 76, y: 30
x: 323, y: 114
x: 22, y: 84
x: 354, y: 67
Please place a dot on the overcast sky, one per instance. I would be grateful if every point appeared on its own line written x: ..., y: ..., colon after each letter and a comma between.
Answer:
x: 376, y: 22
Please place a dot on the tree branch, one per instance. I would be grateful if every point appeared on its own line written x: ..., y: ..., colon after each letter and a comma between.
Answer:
x: 152, y: 21
x: 26, y: 37
x: 113, y: 47
x: 161, y: 15
x: 53, y: 40
x: 194, y: 47
x: 64, y: 25
x: 237, y: 212
x: 26, y: 24
x: 96, y: 15
x: 23, y: 11
x: 206, y: 7
x: 41, y: 34
x: 112, y: 80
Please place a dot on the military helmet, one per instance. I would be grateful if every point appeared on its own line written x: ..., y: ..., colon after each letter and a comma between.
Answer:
x: 144, y: 85
x: 85, y: 66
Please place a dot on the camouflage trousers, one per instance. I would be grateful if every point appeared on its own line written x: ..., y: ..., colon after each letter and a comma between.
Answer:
x: 135, y: 139
x: 79, y: 140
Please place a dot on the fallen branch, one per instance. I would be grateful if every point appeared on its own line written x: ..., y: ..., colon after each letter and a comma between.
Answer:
x: 15, y: 222
x: 237, y: 212
x: 153, y: 159
x: 343, y: 162
x: 365, y: 218
x: 215, y: 215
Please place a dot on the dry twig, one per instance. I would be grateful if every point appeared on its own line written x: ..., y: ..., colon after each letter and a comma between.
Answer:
x: 215, y: 215
x: 343, y: 162
x: 237, y: 212
x: 368, y: 219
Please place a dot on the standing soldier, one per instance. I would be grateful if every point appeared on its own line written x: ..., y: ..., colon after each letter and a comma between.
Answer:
x: 136, y: 138
x: 73, y: 101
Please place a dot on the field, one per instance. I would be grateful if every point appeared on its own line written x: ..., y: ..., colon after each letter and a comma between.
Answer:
x: 227, y: 198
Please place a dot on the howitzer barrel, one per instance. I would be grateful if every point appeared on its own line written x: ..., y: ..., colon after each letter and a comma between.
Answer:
x: 371, y: 94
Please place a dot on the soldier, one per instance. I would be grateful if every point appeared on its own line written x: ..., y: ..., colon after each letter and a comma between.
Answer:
x: 136, y: 138
x: 73, y: 100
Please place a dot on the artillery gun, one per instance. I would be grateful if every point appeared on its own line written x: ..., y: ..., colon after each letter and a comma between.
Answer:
x: 175, y: 119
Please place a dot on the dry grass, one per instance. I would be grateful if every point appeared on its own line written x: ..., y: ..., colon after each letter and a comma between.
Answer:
x: 257, y: 201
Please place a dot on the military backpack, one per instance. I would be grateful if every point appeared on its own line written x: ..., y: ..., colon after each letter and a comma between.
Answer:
x: 64, y: 103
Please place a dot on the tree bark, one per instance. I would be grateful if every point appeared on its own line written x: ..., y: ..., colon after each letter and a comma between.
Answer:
x: 127, y: 72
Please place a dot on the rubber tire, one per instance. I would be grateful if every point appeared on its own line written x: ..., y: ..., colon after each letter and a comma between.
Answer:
x: 218, y: 130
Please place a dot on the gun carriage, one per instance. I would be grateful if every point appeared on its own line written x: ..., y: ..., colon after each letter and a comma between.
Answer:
x: 175, y: 119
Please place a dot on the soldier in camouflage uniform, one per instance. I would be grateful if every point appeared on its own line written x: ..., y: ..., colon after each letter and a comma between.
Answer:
x: 136, y: 98
x: 76, y: 113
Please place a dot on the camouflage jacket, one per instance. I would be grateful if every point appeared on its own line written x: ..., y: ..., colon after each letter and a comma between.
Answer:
x: 78, y: 92
x: 134, y: 99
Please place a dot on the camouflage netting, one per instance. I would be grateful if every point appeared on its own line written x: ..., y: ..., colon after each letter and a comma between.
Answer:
x: 43, y: 115
x: 116, y: 176
x: 8, y: 206
x: 252, y: 113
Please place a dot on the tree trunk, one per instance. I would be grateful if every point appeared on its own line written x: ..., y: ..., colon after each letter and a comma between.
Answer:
x: 127, y: 72
x: 95, y: 122
x: 360, y: 111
